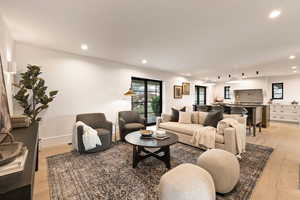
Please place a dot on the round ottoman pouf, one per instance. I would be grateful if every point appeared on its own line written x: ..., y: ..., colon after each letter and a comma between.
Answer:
x: 223, y: 166
x: 187, y: 182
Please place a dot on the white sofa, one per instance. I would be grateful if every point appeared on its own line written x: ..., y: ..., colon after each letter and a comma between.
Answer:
x: 226, y: 141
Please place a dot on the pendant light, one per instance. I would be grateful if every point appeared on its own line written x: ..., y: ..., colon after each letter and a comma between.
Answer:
x: 130, y: 92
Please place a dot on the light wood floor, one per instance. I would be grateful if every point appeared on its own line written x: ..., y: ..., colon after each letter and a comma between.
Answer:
x: 279, y: 180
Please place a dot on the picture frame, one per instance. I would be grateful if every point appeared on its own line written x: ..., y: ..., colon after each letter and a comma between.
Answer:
x: 177, y: 92
x: 186, y: 87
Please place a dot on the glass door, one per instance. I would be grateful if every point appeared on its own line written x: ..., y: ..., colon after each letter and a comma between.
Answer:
x: 138, y: 100
x: 148, y: 92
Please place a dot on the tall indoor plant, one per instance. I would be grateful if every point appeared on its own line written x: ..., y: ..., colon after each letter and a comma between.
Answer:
x: 32, y: 94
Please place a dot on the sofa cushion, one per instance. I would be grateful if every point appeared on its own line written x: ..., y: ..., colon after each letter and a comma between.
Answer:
x: 175, y: 114
x: 220, y: 139
x: 213, y: 118
x: 187, y: 129
x: 134, y: 126
x: 185, y: 117
x: 202, y: 117
x: 195, y: 117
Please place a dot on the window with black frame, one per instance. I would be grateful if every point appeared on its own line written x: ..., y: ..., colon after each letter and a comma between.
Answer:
x: 200, y: 95
x: 148, y: 99
x: 227, y: 92
x: 277, y: 90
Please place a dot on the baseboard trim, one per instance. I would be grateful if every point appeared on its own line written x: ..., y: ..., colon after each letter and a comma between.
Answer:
x: 57, y: 140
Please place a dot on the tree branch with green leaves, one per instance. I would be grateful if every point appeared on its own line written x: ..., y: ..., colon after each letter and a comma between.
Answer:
x: 32, y: 94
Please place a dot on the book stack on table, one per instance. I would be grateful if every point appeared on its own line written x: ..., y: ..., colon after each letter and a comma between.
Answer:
x: 20, y: 121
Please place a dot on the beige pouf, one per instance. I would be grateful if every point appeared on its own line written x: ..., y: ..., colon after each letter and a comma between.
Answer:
x: 223, y: 166
x: 187, y: 182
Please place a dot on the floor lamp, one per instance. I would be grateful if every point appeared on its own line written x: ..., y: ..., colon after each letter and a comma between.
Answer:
x: 129, y: 93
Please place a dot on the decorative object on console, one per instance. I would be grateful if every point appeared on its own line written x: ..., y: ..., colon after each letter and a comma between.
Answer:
x: 175, y: 114
x: 186, y: 88
x: 270, y: 101
x: 32, y: 94
x: 177, y: 92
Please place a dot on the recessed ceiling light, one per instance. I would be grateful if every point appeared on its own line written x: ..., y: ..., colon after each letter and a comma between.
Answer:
x: 294, y: 67
x: 274, y: 14
x: 292, y: 57
x: 84, y: 47
x: 295, y: 71
x: 144, y: 61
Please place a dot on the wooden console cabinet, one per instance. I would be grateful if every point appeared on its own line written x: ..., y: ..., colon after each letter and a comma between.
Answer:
x: 19, y: 186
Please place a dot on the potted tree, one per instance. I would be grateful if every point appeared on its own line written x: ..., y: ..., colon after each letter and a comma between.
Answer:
x: 32, y: 94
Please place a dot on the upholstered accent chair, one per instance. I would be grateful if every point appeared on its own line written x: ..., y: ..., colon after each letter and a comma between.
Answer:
x: 130, y: 121
x: 98, y: 122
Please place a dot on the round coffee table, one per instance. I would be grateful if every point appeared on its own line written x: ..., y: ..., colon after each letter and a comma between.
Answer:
x: 139, y: 145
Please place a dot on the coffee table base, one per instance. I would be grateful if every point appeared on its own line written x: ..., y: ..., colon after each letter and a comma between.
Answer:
x: 137, y: 156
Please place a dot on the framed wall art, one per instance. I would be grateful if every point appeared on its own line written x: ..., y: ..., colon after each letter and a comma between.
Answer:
x: 177, y: 91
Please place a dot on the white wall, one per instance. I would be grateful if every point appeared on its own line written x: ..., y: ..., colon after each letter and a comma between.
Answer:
x: 6, y: 52
x: 89, y: 85
x: 291, y: 87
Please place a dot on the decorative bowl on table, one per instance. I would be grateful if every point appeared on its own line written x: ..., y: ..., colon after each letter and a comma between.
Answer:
x: 146, y: 133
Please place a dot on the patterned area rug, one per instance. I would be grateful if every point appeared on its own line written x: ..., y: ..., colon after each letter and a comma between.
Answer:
x: 109, y: 175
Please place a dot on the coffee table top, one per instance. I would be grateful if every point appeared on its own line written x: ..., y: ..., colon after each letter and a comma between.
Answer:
x: 135, y: 139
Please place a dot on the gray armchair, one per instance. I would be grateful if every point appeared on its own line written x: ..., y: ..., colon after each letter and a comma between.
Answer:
x: 130, y: 121
x: 98, y: 122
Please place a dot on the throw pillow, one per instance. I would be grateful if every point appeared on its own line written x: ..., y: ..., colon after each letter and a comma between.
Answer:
x: 213, y: 118
x: 195, y: 117
x: 202, y: 117
x: 175, y: 114
x: 185, y: 118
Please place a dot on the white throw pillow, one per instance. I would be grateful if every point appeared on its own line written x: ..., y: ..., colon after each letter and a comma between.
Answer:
x: 202, y: 117
x: 195, y: 117
x: 185, y: 118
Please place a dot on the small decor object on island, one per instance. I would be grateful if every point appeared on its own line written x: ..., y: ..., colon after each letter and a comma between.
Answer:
x: 186, y: 88
x: 270, y: 101
x: 295, y: 102
x: 177, y: 92
x: 32, y: 94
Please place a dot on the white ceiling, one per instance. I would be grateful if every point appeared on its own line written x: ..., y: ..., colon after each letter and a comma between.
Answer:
x: 203, y: 38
